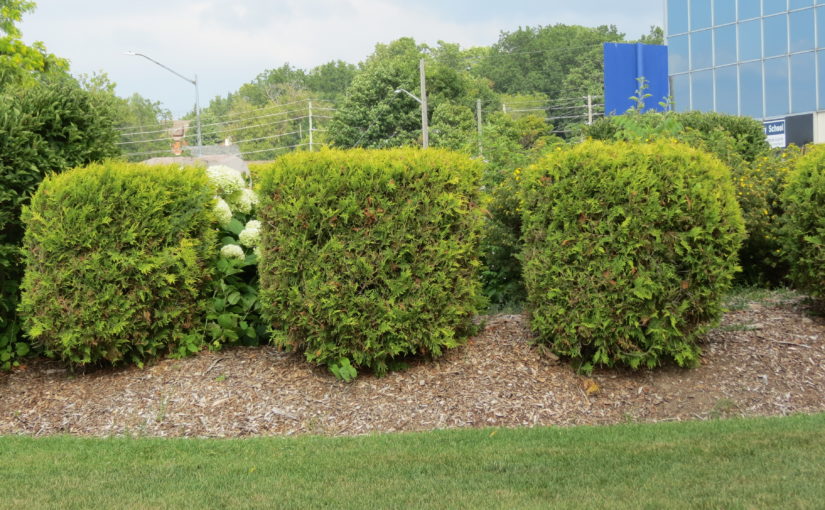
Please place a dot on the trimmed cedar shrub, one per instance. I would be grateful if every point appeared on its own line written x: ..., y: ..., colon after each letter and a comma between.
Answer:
x: 369, y: 256
x: 46, y: 128
x: 629, y: 249
x: 758, y: 173
x: 803, y: 230
x: 117, y: 258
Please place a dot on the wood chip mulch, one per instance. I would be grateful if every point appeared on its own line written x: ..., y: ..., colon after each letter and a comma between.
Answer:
x: 766, y: 359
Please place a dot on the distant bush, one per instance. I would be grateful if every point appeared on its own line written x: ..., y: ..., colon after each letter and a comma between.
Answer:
x: 803, y: 231
x: 117, y: 261
x: 629, y: 248
x: 759, y: 188
x: 369, y: 256
x: 747, y: 135
x: 509, y: 145
x: 501, y: 244
x: 46, y: 128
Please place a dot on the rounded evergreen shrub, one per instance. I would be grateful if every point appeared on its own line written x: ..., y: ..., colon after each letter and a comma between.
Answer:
x: 47, y: 127
x: 368, y: 256
x: 117, y: 256
x: 803, y: 231
x: 629, y: 249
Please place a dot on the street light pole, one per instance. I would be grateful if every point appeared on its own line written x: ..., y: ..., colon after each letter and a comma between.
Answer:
x: 193, y: 82
x: 424, y: 122
x: 424, y: 127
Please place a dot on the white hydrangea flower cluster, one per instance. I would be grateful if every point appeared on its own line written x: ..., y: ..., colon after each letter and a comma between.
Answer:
x: 233, y: 251
x: 222, y: 212
x: 244, y: 200
x: 226, y: 179
x: 250, y: 236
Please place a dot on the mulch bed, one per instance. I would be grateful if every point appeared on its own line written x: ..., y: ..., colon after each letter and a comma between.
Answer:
x: 766, y: 359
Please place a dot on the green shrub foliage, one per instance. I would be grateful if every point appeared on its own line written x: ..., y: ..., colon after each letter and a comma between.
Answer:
x: 699, y: 129
x: 117, y: 258
x: 501, y: 244
x: 747, y: 133
x: 758, y: 173
x: 629, y: 249
x: 367, y: 256
x: 759, y: 187
x: 803, y: 231
x: 44, y: 128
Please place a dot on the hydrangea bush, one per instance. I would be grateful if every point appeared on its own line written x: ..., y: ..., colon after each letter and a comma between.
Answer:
x: 233, y: 310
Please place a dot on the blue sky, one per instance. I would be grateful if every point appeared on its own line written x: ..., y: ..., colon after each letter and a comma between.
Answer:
x: 227, y: 43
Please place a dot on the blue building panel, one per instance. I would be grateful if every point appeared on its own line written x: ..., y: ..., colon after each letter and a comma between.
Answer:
x: 624, y: 65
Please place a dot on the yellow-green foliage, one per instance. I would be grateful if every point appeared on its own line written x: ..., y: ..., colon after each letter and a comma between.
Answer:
x: 368, y: 256
x: 803, y: 232
x: 629, y: 248
x: 501, y: 243
x: 116, y: 260
x: 758, y: 189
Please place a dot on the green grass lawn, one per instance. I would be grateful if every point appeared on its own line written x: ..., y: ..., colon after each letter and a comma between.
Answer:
x: 754, y: 463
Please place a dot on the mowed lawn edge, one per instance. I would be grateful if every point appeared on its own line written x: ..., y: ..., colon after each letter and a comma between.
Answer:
x: 740, y: 463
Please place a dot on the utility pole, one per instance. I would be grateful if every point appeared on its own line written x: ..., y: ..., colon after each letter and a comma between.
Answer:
x: 589, y: 109
x: 478, y: 120
x: 310, y: 126
x: 425, y: 128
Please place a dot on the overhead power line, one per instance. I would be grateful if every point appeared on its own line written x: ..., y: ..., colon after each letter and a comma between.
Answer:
x: 223, y: 130
x: 229, y: 116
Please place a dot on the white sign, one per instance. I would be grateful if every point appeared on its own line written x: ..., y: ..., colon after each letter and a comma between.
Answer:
x: 775, y: 133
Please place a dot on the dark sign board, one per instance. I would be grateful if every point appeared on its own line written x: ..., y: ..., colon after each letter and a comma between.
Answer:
x: 796, y: 129
x: 624, y: 65
x: 775, y: 132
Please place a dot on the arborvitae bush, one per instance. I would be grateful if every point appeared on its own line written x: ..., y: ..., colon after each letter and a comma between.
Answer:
x: 46, y: 128
x: 368, y: 256
x: 803, y: 232
x: 629, y: 248
x: 117, y: 257
x: 758, y: 173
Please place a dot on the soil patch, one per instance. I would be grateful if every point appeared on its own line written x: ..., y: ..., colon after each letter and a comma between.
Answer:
x: 767, y: 358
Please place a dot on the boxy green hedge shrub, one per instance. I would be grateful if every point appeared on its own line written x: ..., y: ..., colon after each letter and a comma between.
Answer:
x: 629, y: 248
x: 367, y: 256
x: 758, y: 173
x: 117, y: 257
x: 803, y: 230
x: 45, y: 128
